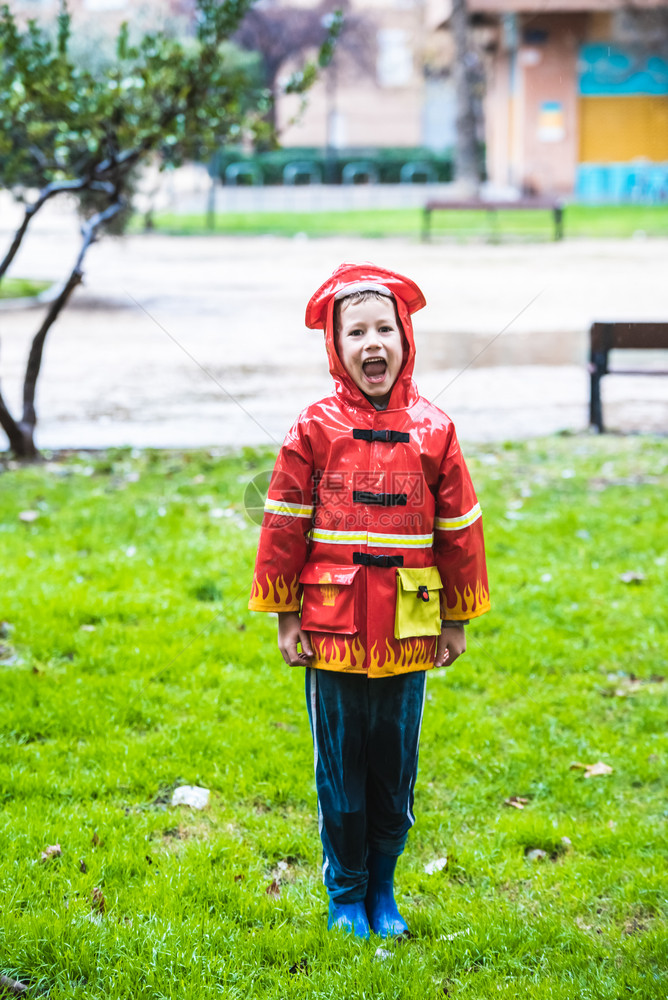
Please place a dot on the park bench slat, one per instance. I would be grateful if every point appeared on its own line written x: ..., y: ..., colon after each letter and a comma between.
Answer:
x: 610, y: 336
x: 477, y: 204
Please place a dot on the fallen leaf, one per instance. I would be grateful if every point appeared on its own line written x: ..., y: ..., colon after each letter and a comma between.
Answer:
x: 53, y: 851
x: 632, y: 577
x: 95, y: 840
x: 592, y: 770
x: 435, y: 866
x: 97, y: 901
x: 28, y: 515
x: 274, y: 888
x: 517, y: 801
x: 82, y: 866
x: 191, y: 795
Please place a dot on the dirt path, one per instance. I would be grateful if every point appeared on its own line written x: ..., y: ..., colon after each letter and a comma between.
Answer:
x: 201, y: 341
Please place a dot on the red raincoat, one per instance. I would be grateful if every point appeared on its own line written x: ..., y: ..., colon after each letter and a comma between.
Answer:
x: 371, y: 525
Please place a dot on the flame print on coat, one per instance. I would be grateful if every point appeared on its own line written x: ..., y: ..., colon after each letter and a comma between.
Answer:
x: 466, y: 604
x: 276, y: 594
x: 372, y: 529
x: 336, y: 653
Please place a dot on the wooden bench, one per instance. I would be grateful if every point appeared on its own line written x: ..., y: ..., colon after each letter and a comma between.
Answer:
x: 477, y: 204
x: 606, y: 337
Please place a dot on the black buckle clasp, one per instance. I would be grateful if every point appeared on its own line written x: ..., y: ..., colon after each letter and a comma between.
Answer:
x: 390, y: 437
x: 380, y: 499
x: 367, y: 559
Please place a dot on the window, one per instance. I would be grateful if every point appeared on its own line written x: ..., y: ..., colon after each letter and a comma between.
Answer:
x: 394, y: 62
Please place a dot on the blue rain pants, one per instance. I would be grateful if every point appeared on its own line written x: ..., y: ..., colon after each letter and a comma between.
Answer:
x: 366, y: 736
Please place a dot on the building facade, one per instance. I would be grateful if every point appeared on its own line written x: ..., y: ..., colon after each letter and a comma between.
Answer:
x: 393, y: 89
x: 577, y: 97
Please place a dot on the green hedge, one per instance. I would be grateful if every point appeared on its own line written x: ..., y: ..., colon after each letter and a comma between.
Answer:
x: 268, y: 167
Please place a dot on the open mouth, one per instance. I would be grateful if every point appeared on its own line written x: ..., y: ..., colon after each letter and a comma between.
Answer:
x: 374, y: 369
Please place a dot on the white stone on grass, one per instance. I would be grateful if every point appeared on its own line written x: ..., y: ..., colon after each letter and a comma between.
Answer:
x: 191, y: 795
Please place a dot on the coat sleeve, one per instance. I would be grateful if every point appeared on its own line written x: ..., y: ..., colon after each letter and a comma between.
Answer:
x: 286, y: 524
x: 459, y: 546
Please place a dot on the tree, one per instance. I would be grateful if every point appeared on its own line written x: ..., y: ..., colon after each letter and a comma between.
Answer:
x: 64, y: 129
x: 281, y: 33
x: 466, y: 72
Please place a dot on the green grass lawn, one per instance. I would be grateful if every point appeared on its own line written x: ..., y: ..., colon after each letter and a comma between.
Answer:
x: 579, y: 221
x: 18, y: 288
x: 129, y: 665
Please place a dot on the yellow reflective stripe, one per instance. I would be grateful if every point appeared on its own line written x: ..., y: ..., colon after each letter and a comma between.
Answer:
x: 373, y: 538
x: 290, y: 509
x: 339, y: 537
x: 455, y: 523
x: 401, y: 541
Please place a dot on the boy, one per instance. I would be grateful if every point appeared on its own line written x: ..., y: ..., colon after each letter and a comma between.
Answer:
x: 371, y: 553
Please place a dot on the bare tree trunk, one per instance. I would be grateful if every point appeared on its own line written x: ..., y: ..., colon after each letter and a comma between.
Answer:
x: 11, y: 429
x: 28, y: 421
x: 21, y: 433
x: 467, y: 167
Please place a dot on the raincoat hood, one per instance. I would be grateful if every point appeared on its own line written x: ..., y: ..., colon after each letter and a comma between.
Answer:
x: 408, y: 298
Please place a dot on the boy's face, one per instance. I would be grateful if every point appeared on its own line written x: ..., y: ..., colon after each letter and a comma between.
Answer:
x: 370, y: 344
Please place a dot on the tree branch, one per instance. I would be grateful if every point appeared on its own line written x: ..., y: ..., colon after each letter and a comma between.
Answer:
x: 13, y: 432
x: 11, y: 428
x: 88, y: 232
x: 56, y: 187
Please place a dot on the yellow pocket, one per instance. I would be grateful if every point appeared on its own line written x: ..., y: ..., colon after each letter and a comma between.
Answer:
x: 418, y: 609
x: 329, y: 603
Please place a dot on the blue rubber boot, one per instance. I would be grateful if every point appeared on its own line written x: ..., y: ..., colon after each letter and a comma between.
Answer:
x: 348, y: 917
x: 381, y: 908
